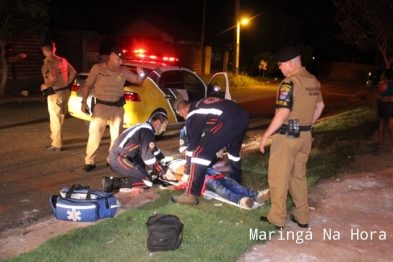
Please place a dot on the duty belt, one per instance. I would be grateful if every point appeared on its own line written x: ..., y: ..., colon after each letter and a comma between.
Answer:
x: 284, y: 129
x: 117, y: 103
x: 66, y: 87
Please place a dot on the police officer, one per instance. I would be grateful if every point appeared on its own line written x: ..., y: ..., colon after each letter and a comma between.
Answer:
x: 58, y: 74
x: 108, y: 79
x: 132, y: 151
x: 211, y: 124
x: 298, y: 105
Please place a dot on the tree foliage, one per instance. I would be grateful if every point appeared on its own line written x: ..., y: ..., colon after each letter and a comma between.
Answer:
x: 367, y: 24
x: 16, y: 16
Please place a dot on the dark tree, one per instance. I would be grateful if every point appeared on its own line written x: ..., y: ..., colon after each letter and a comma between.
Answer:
x: 367, y: 24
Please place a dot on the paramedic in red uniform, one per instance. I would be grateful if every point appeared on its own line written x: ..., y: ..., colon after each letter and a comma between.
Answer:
x: 298, y: 105
x: 211, y: 124
x: 108, y: 80
x: 132, y: 151
x: 58, y: 74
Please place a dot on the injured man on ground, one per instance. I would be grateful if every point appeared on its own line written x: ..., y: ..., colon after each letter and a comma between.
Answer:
x: 217, y: 186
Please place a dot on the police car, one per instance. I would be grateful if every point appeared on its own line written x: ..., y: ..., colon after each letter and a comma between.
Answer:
x: 163, y: 85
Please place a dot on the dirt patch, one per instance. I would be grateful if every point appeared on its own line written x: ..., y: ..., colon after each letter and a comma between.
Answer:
x: 351, y: 218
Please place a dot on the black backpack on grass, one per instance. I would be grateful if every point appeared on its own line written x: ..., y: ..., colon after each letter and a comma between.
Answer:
x: 165, y: 232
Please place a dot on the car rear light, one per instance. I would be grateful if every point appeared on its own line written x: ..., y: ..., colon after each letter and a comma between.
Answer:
x: 132, y: 97
x: 75, y: 88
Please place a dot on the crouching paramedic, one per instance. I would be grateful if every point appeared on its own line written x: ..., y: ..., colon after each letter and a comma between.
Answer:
x: 211, y: 124
x: 132, y: 151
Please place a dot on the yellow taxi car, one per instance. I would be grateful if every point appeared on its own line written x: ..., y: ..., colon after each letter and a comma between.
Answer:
x: 162, y: 87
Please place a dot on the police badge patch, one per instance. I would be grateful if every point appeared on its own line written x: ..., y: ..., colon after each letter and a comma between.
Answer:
x: 284, y: 96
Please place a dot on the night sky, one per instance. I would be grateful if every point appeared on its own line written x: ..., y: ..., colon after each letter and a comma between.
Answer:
x: 275, y: 23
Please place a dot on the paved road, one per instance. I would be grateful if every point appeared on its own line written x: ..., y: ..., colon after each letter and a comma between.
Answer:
x: 30, y: 174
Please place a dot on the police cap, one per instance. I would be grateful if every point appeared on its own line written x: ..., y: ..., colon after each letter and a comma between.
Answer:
x: 287, y: 53
x: 119, y: 52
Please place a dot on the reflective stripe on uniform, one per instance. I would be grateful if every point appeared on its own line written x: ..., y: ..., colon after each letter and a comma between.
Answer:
x: 150, y: 161
x: 132, y: 132
x: 189, y: 153
x: 157, y: 152
x: 205, y: 111
x: 233, y: 158
x: 200, y: 161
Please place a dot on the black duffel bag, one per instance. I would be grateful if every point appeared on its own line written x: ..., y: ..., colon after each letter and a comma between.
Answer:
x: 165, y: 232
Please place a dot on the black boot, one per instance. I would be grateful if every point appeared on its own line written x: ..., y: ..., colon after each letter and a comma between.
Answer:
x: 107, y: 184
x: 122, y: 182
x: 111, y: 183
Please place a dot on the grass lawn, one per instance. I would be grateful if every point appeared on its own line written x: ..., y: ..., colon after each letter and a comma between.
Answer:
x: 212, y: 233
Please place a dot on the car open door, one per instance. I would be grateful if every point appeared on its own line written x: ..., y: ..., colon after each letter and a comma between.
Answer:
x: 219, y: 86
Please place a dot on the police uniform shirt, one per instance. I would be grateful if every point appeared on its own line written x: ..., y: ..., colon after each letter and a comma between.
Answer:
x: 60, y: 70
x: 300, y: 92
x: 109, y: 85
x: 137, y: 143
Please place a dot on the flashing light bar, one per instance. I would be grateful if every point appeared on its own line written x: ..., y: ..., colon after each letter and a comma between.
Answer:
x: 141, y: 53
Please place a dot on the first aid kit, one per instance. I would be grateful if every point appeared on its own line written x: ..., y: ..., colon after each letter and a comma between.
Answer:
x: 81, y: 204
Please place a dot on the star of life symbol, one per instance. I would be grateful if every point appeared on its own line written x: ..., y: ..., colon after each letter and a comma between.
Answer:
x: 74, y: 215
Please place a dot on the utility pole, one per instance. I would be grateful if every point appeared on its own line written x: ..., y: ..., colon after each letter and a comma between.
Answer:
x: 236, y: 48
x: 203, y: 38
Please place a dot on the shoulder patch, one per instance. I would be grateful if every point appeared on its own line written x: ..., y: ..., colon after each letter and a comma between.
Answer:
x: 151, y: 145
x: 285, y: 90
x: 284, y: 96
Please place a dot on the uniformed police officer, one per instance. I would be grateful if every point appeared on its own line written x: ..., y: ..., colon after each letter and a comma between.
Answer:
x: 211, y: 124
x: 58, y: 74
x: 132, y: 151
x: 298, y: 105
x: 108, y: 79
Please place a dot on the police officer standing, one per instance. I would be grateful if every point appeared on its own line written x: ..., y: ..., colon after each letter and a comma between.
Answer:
x: 108, y: 79
x: 132, y: 151
x: 58, y: 74
x: 298, y: 105
x: 211, y: 124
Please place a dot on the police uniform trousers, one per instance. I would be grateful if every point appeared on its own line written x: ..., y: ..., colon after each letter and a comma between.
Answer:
x: 226, y: 133
x: 127, y: 168
x: 103, y: 113
x: 57, y: 108
x: 287, y: 172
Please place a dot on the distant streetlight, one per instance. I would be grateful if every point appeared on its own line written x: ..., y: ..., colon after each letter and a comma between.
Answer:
x: 243, y: 21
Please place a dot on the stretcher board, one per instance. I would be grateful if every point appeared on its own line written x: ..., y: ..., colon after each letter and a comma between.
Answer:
x: 211, y: 195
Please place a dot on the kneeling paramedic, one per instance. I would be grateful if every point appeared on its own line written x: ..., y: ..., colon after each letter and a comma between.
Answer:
x: 211, y: 124
x: 132, y: 151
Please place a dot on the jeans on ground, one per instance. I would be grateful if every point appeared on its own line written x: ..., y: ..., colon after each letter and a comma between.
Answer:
x: 229, y: 189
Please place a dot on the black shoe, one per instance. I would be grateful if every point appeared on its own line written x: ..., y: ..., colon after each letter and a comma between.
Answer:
x: 292, y: 218
x: 52, y: 148
x: 88, y: 168
x: 264, y: 219
x: 107, y: 184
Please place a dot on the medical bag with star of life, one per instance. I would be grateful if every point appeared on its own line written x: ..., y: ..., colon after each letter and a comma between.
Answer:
x: 79, y: 203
